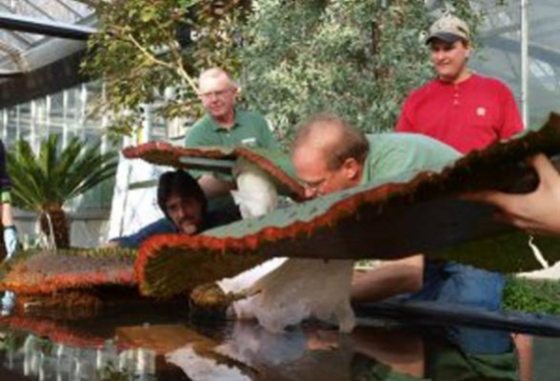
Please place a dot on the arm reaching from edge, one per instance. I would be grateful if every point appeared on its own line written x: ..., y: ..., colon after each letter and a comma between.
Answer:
x: 537, y: 212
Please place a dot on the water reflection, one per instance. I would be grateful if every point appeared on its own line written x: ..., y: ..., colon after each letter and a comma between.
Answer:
x: 441, y: 354
x: 42, y: 349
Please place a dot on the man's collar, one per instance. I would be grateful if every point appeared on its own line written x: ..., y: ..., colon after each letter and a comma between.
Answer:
x: 217, y: 127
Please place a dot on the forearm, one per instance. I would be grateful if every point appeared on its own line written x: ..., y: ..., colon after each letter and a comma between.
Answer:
x: 7, y: 216
x: 389, y: 279
x: 214, y: 187
x: 10, y: 232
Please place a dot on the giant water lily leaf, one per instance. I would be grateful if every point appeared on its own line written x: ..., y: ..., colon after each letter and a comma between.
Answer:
x: 380, y: 220
x: 274, y: 162
x: 174, y: 270
x: 46, y: 272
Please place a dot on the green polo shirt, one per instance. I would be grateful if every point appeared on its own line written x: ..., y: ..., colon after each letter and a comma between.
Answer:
x: 250, y: 129
x: 404, y: 155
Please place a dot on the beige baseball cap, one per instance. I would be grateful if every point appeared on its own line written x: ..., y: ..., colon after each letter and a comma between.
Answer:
x: 449, y: 29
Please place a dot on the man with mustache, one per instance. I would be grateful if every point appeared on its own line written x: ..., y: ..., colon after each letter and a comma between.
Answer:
x: 184, y: 205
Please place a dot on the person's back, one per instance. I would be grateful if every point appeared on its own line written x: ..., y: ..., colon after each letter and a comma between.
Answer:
x: 403, y: 155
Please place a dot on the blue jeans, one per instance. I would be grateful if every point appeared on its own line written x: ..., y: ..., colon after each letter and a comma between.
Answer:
x: 454, y: 283
x: 451, y: 282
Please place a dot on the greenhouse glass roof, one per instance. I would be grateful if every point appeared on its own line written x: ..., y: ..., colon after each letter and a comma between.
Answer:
x: 498, y: 54
x: 18, y: 17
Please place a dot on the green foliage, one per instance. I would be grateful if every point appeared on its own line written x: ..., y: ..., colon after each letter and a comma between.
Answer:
x: 12, y: 341
x: 539, y: 296
x: 110, y: 372
x: 357, y: 58
x: 54, y: 176
x: 144, y: 47
x: 43, y: 182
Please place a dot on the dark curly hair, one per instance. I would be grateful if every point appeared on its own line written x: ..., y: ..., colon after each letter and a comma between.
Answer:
x: 182, y: 184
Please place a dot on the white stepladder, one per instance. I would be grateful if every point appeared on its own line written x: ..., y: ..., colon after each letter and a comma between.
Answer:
x: 134, y: 203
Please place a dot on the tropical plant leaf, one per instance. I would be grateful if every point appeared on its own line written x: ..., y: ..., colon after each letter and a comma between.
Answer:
x: 54, y: 175
x: 46, y: 180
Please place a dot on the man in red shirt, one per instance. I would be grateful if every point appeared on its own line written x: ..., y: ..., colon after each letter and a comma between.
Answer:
x: 460, y: 108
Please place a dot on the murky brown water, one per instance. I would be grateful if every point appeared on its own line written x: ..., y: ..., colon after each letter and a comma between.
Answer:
x: 164, y: 345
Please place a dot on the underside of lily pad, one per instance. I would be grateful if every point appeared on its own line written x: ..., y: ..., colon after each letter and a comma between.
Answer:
x: 380, y: 220
x: 275, y: 163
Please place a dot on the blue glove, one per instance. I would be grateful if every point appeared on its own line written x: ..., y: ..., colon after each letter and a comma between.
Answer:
x: 10, y: 240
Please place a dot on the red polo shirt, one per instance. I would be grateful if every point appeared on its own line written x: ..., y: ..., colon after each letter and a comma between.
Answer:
x: 469, y: 115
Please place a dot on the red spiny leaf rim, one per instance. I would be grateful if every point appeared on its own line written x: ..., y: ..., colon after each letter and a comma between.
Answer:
x: 58, y: 282
x: 162, y: 153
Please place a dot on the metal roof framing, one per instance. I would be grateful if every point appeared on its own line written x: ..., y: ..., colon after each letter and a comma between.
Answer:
x: 44, y: 27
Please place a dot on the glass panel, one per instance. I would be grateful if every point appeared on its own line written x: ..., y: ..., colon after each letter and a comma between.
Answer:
x: 500, y: 57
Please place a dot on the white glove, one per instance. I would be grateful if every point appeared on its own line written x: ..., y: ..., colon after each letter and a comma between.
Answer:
x: 10, y: 240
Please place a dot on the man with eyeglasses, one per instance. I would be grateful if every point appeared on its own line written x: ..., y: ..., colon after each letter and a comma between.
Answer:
x: 225, y: 125
x: 329, y: 155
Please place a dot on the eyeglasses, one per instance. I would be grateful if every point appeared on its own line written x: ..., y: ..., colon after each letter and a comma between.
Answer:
x: 217, y: 94
x: 317, y: 186
x: 313, y: 185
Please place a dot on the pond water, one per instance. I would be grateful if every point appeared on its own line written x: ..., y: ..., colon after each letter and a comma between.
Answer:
x: 163, y: 344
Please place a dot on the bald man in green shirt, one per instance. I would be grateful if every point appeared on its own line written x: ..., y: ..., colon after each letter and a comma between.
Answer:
x: 225, y: 125
x: 329, y: 155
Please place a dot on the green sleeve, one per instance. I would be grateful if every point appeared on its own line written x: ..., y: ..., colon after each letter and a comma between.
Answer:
x: 405, y: 155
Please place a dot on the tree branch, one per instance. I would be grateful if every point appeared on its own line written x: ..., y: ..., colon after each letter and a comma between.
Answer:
x: 147, y: 54
x: 175, y: 52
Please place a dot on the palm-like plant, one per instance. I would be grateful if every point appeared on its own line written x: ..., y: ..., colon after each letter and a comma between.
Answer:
x: 45, y: 180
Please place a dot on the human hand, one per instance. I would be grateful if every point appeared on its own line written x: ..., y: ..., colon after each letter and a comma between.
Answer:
x: 10, y: 240
x: 537, y: 212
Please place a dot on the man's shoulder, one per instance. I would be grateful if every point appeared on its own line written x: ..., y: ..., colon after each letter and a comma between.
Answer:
x: 404, y: 140
x: 201, y: 132
x: 402, y: 155
x: 424, y: 90
x: 490, y: 82
x: 397, y: 137
x: 250, y: 116
x: 202, y: 122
